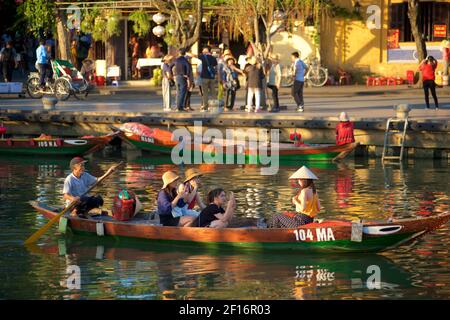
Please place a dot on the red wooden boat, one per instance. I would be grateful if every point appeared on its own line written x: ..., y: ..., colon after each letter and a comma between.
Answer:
x: 47, y: 145
x: 160, y: 141
x: 326, y: 236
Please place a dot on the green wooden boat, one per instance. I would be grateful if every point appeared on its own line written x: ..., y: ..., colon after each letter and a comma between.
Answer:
x: 49, y: 146
x: 160, y: 141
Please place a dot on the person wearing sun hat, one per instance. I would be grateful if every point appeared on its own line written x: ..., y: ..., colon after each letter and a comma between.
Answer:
x: 344, y: 130
x: 168, y: 199
x: 306, y: 201
x: 230, y: 82
x: 76, y: 184
x: 192, y: 183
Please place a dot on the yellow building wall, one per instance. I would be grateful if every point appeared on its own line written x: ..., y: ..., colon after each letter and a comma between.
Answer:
x: 351, y: 45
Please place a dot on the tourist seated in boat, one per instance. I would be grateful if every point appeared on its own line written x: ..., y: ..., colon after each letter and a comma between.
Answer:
x: 306, y: 201
x: 344, y: 130
x: 76, y: 184
x: 168, y: 199
x: 192, y: 183
x: 214, y: 215
x: 182, y: 208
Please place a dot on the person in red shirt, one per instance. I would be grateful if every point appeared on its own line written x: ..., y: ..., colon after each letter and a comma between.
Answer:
x: 344, y: 130
x: 428, y: 67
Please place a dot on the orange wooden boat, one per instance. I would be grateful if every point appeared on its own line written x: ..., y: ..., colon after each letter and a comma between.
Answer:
x: 327, y: 236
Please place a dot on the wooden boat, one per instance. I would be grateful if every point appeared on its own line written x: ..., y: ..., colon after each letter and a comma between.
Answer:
x: 47, y: 145
x: 327, y: 236
x: 160, y: 141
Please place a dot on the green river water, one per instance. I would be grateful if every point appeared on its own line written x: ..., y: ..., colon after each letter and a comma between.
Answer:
x: 142, y: 270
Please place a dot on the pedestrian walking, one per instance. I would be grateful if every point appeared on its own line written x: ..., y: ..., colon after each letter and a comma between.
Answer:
x: 8, y: 58
x: 428, y: 67
x: 255, y: 75
x: 182, y: 70
x: 208, y: 75
x: 299, y: 71
x: 274, y: 81
x: 168, y: 82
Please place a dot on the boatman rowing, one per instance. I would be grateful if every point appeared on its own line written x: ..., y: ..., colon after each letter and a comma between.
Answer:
x: 76, y: 184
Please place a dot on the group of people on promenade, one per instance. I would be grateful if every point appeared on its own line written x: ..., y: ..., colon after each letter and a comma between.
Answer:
x: 219, y: 77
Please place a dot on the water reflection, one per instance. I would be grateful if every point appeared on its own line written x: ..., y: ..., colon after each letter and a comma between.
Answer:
x: 164, y: 272
x: 352, y: 189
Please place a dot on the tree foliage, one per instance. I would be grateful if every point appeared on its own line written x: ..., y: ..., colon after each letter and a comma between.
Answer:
x: 185, y: 21
x: 259, y: 20
x: 39, y: 14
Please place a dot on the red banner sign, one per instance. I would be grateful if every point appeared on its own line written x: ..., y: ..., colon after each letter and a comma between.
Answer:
x: 439, y: 30
x: 392, y: 39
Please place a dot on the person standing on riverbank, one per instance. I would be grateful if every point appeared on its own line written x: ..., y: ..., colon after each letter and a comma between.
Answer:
x: 208, y: 75
x: 182, y: 77
x: 167, y: 82
x: 428, y: 67
x: 299, y: 71
x: 8, y: 59
x: 255, y: 75
x: 274, y: 81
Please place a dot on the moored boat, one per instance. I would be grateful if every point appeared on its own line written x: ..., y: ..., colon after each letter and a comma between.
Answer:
x: 161, y: 141
x: 47, y: 145
x: 326, y: 236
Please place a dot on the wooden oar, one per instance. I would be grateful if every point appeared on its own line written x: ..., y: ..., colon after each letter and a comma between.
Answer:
x: 42, y: 230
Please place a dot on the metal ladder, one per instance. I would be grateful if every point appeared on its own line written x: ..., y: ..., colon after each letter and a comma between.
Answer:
x: 392, y: 132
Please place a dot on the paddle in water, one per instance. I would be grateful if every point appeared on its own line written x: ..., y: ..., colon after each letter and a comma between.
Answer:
x: 47, y: 226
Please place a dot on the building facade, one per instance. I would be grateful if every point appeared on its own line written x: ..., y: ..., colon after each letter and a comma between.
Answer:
x: 382, y: 43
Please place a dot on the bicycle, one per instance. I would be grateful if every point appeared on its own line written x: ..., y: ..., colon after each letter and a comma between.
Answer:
x: 66, y: 80
x: 317, y: 76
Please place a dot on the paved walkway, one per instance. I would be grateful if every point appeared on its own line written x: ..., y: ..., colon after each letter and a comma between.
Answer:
x: 360, y: 102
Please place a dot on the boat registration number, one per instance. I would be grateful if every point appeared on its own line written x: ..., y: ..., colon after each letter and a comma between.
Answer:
x: 44, y: 144
x: 318, y: 234
x: 147, y: 139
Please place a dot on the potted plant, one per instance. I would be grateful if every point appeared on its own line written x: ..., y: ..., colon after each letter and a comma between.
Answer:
x: 141, y: 22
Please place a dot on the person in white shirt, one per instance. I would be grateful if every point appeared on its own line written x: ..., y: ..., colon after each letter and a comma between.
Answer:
x: 274, y: 81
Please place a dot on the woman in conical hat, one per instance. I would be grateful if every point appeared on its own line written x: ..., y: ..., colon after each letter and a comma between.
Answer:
x: 306, y: 201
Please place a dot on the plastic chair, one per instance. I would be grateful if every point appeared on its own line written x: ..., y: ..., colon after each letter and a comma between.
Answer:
x: 410, y: 76
x: 380, y: 81
x: 370, y: 81
x: 399, y: 80
x: 391, y: 81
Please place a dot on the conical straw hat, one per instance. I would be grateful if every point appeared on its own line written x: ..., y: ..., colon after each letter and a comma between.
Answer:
x: 304, y: 173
